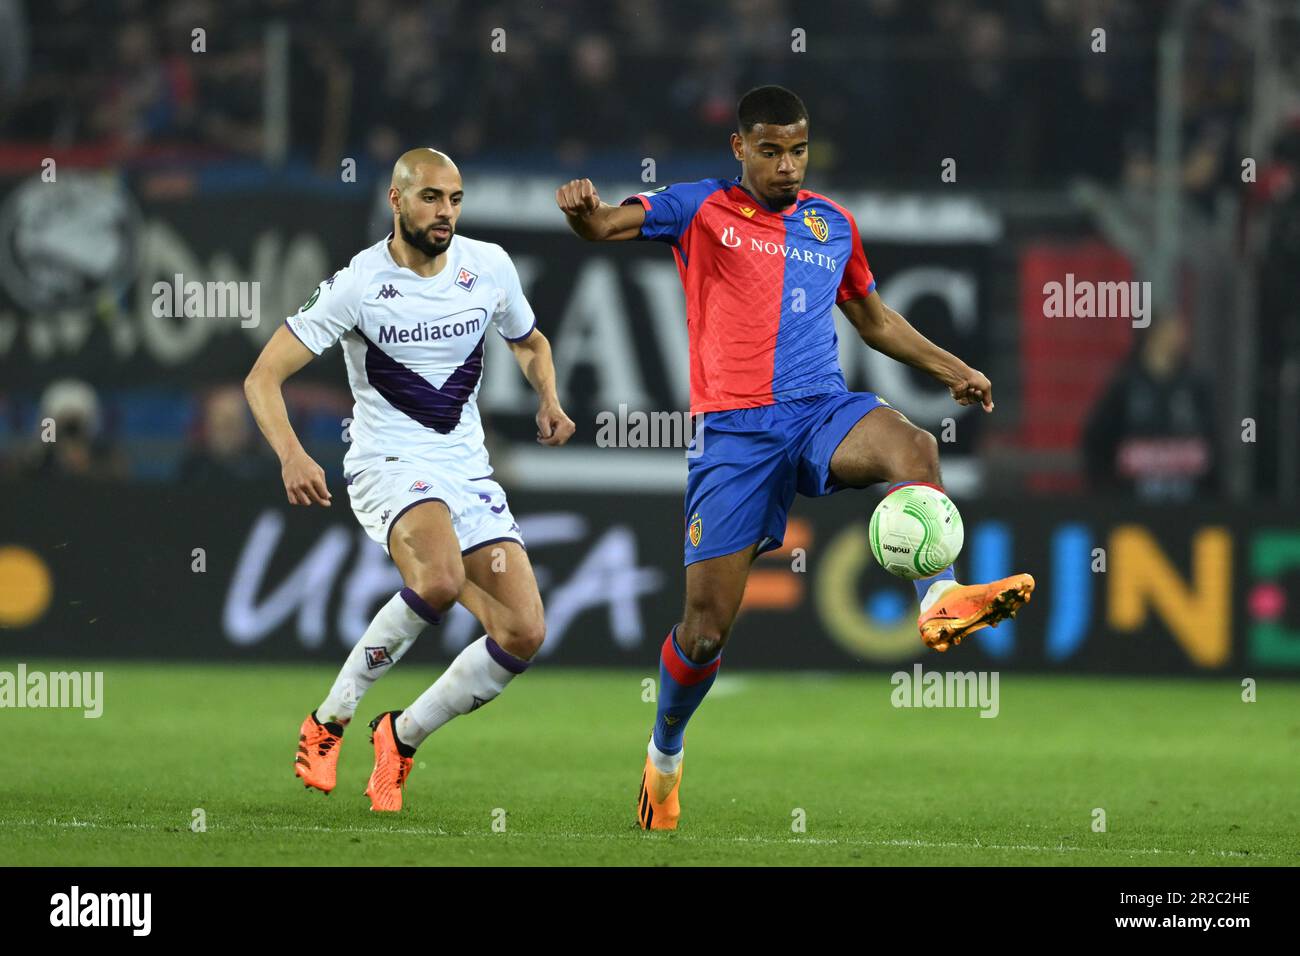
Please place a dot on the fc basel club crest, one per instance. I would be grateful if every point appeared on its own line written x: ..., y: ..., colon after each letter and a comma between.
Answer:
x: 817, y: 226
x: 696, y: 530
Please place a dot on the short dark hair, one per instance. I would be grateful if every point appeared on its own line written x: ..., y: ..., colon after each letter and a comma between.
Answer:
x: 770, y: 105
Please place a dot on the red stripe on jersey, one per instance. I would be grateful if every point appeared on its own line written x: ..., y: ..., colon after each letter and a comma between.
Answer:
x: 734, y: 318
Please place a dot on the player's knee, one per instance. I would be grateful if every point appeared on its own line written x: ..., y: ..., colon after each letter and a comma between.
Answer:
x: 920, y: 459
x: 703, y: 632
x: 440, y: 588
x: 701, y: 646
x: 524, y: 636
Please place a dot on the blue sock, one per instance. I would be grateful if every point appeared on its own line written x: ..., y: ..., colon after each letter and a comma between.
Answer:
x: 682, y: 686
x: 923, y: 584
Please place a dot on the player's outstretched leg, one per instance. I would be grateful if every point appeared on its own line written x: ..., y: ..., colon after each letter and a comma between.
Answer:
x: 390, y: 634
x: 501, y: 592
x: 688, y: 665
x: 885, y: 446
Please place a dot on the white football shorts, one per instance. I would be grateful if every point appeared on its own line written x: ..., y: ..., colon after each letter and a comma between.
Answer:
x: 383, y: 492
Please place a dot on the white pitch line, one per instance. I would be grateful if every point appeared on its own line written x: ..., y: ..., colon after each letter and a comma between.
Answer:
x: 764, y: 841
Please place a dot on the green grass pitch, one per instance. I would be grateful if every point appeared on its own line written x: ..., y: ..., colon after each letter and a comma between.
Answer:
x: 1186, y: 773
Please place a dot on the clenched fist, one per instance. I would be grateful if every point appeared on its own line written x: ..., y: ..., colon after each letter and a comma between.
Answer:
x: 577, y: 197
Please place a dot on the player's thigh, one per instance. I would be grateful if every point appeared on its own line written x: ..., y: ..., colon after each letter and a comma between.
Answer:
x: 423, y: 545
x: 714, y: 590
x: 885, y: 446
x: 501, y: 591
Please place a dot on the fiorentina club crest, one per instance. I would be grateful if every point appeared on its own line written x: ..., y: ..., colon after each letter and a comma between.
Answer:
x: 696, y: 530
x: 420, y: 487
x: 817, y: 226
x: 466, y: 279
x: 377, y: 657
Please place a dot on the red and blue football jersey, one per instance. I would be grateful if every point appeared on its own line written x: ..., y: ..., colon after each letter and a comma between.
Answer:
x: 760, y: 286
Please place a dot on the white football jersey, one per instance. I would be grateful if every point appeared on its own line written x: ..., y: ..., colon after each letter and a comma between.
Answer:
x: 414, y: 348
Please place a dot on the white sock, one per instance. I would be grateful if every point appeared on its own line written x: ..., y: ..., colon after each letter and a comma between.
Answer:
x: 936, y: 591
x: 665, y: 763
x: 387, y: 638
x: 476, y: 676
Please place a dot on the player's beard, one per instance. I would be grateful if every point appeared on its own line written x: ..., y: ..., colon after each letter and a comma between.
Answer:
x: 783, y: 196
x: 422, y: 240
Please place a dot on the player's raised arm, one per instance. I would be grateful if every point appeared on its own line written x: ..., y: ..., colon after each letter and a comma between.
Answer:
x: 595, y: 220
x: 888, y: 332
x: 284, y: 354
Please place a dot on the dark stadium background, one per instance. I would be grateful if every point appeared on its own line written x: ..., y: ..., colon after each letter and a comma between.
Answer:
x: 1170, y: 157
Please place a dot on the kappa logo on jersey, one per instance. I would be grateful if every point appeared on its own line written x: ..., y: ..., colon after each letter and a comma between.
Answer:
x: 466, y: 279
x: 818, y: 226
x: 697, y: 530
x: 377, y: 657
x: 420, y: 487
x: 330, y: 281
x: 388, y: 292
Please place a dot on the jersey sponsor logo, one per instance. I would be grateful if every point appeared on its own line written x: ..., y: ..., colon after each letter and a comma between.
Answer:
x: 732, y: 240
x: 377, y: 657
x: 696, y: 530
x: 312, y: 301
x: 429, y: 331
x: 419, y: 487
x: 829, y: 263
x: 389, y: 292
x: 466, y: 279
x: 818, y: 226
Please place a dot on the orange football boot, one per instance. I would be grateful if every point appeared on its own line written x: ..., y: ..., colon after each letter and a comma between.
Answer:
x: 318, y: 754
x: 968, y: 607
x: 656, y: 805
x: 391, y: 768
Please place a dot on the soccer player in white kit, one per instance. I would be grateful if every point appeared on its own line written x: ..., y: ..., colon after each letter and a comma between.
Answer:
x: 412, y: 312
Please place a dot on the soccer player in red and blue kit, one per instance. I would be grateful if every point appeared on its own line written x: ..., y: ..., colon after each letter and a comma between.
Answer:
x: 763, y: 261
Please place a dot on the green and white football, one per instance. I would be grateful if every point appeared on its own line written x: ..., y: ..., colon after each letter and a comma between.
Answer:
x: 916, y: 532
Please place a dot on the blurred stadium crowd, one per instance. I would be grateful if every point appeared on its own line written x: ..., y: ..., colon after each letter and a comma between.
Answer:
x: 591, y: 88
x: 1010, y: 84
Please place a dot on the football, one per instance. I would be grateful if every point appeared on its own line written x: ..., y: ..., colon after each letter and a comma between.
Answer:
x: 916, y: 532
